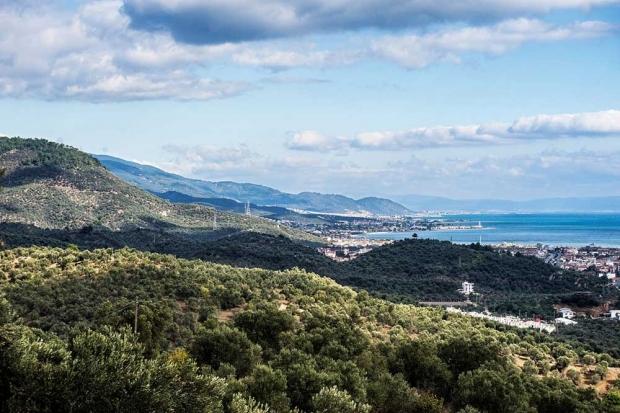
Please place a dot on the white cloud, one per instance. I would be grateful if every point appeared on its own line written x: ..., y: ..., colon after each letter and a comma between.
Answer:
x: 593, y: 124
x: 218, y: 21
x: 288, y: 58
x: 92, y: 55
x: 141, y: 87
x: 228, y: 162
x: 315, y: 141
x: 418, y: 51
x: 242, y: 164
x: 279, y: 58
x: 545, y: 174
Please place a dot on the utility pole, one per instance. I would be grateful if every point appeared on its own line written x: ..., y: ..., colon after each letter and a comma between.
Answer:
x: 135, y: 320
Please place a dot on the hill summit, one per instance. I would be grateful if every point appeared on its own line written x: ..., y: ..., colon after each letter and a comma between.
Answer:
x: 53, y: 186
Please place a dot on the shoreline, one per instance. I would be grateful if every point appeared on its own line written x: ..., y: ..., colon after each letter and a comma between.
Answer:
x: 527, y: 244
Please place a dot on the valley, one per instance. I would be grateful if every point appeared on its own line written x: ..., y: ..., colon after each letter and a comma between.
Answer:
x: 248, y: 315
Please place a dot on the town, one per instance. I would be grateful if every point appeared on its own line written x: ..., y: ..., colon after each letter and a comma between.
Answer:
x: 346, y: 227
x: 602, y: 261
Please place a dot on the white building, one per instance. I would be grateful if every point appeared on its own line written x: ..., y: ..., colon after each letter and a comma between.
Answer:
x: 467, y: 288
x: 566, y: 312
x: 615, y: 314
x: 565, y: 321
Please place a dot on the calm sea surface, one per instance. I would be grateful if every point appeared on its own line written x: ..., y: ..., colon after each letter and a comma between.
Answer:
x: 551, y: 229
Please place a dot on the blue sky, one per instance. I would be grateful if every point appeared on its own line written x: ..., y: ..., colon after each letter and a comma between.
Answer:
x: 509, y: 99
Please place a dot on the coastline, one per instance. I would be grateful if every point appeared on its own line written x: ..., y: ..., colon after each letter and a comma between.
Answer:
x: 557, y: 230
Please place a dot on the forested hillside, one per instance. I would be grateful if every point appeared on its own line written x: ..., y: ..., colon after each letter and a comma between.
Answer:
x: 425, y: 270
x: 53, y: 186
x: 406, y: 271
x: 434, y: 270
x: 220, y: 339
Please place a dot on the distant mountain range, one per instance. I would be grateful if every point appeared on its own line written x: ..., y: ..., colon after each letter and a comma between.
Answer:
x: 158, y: 181
x: 574, y: 204
x: 268, y: 201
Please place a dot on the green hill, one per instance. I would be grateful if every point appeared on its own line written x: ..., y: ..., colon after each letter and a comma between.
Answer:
x: 425, y: 270
x: 434, y: 270
x: 406, y: 271
x: 213, y: 338
x: 53, y: 186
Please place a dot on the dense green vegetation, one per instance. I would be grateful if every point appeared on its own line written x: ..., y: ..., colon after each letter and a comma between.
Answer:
x: 90, y: 329
x: 407, y: 271
x: 213, y: 338
x: 421, y: 270
x: 437, y: 268
x: 599, y: 335
x: 41, y: 152
x: 434, y: 270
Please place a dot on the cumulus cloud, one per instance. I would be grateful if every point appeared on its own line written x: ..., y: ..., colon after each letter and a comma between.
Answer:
x: 92, y: 55
x: 315, y: 141
x: 287, y: 58
x: 544, y: 174
x: 592, y: 124
x: 221, y: 21
x: 235, y: 162
x: 418, y: 51
x: 300, y: 172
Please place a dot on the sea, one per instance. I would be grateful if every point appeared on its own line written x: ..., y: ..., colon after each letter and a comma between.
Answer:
x: 550, y: 229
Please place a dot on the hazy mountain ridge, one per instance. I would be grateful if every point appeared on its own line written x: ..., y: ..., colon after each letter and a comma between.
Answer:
x: 572, y: 204
x: 156, y: 180
x: 230, y: 205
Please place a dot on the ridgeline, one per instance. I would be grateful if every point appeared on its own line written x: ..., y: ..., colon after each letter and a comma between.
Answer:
x: 53, y: 186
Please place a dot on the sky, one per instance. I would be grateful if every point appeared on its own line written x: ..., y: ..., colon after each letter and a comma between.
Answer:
x: 512, y: 99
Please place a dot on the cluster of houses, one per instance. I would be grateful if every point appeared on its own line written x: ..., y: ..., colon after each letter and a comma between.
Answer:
x: 344, y: 253
x: 341, y: 249
x: 604, y: 261
x: 567, y: 315
x: 508, y: 320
